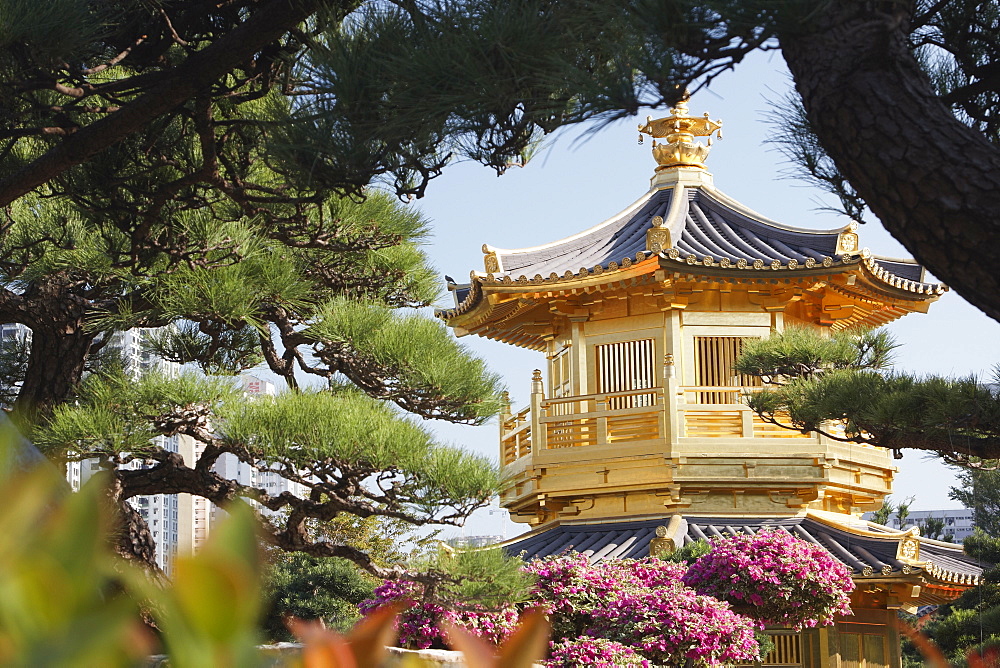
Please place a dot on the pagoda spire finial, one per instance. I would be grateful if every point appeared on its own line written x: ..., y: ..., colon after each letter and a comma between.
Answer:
x: 679, y: 129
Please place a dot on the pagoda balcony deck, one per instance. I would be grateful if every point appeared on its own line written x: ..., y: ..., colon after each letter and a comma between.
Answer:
x: 635, y: 417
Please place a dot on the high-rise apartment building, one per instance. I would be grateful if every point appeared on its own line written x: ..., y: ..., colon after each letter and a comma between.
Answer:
x: 228, y: 466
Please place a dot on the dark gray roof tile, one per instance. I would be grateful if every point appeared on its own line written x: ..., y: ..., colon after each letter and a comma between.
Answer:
x: 864, y: 554
x: 620, y: 237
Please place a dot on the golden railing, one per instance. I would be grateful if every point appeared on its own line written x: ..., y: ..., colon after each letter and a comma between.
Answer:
x: 731, y: 419
x: 636, y: 415
x: 515, y: 435
x: 602, y: 419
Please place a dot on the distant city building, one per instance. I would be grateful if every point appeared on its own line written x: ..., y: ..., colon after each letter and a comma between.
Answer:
x: 160, y: 511
x: 10, y: 330
x: 474, y: 541
x: 957, y: 523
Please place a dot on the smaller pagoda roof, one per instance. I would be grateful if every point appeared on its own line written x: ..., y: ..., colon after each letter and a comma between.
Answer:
x: 868, y: 549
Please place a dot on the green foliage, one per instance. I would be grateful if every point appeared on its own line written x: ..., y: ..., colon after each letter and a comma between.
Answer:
x: 233, y: 351
x: 322, y: 431
x: 690, y: 552
x: 979, y: 490
x: 798, y: 352
x: 14, y: 352
x: 903, y: 511
x: 932, y: 527
x: 817, y: 387
x: 209, y: 615
x: 218, y: 287
x: 972, y: 621
x: 61, y: 603
x: 422, y: 354
x: 307, y: 587
x: 68, y: 601
x: 882, y: 515
x: 119, y: 416
x: 327, y: 588
x: 489, y: 577
x: 43, y: 27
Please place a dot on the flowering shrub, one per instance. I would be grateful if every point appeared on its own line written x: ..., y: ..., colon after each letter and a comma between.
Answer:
x: 593, y: 652
x: 641, y: 612
x: 420, y: 624
x: 493, y: 626
x: 672, y: 623
x: 776, y: 577
x: 571, y: 589
x: 641, y: 604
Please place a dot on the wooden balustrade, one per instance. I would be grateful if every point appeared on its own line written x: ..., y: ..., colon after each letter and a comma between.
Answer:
x: 603, y: 419
x: 515, y: 436
x: 632, y: 416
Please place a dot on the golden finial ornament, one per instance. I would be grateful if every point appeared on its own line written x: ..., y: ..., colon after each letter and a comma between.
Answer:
x: 679, y: 129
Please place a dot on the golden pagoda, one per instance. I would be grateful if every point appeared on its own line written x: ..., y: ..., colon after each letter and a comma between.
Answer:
x: 636, y: 438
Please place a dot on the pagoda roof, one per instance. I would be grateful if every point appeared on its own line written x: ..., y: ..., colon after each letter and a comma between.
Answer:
x: 705, y: 224
x: 696, y: 229
x: 870, y: 550
x: 681, y: 233
x: 622, y: 235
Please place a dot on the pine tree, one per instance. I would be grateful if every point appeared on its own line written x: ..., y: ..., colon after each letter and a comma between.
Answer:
x: 898, y: 101
x: 979, y: 489
x: 972, y: 621
x: 845, y: 388
x: 330, y: 298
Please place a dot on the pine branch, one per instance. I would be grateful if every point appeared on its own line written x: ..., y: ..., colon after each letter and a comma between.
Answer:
x: 199, y: 70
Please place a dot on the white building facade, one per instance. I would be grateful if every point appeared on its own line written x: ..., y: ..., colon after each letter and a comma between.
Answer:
x: 958, y: 524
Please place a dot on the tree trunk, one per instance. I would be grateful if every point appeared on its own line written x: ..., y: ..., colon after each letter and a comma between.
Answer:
x: 58, y: 354
x: 133, y: 541
x: 933, y: 182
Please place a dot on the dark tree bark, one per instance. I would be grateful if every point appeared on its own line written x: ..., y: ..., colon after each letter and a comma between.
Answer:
x: 54, y: 368
x: 933, y: 182
x: 60, y: 344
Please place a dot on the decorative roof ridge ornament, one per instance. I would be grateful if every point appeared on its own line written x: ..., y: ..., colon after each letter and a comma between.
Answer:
x: 848, y: 240
x: 679, y: 129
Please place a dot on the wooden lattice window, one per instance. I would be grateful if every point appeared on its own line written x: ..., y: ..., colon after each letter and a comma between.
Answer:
x: 714, y: 357
x: 863, y: 650
x: 623, y: 367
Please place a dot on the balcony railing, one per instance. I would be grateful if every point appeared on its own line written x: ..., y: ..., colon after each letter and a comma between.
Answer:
x: 615, y: 418
x: 515, y: 435
x: 593, y: 419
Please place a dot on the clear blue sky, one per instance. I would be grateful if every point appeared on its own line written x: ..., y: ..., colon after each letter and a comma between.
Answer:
x: 587, y: 174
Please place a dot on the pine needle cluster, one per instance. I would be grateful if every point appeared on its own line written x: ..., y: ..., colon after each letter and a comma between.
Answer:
x: 845, y: 388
